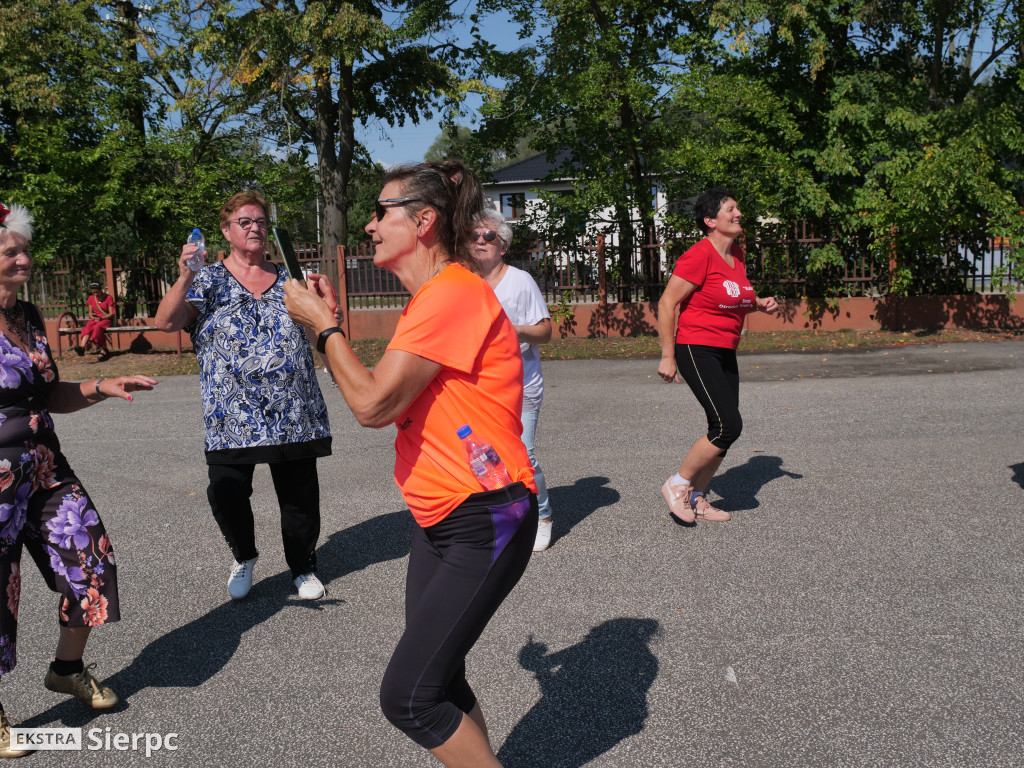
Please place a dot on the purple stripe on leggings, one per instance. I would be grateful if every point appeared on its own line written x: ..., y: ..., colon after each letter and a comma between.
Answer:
x: 506, y: 519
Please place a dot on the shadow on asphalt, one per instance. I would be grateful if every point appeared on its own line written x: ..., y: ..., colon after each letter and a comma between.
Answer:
x: 738, y: 486
x: 1018, y: 473
x: 571, y: 504
x: 593, y: 696
x: 191, y: 654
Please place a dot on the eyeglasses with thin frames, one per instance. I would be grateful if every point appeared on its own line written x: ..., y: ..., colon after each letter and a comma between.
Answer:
x: 489, y: 236
x: 245, y: 222
x: 380, y: 210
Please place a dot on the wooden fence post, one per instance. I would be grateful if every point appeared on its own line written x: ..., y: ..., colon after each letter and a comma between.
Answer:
x: 893, y: 302
x: 343, y: 290
x: 109, y: 269
x: 892, y: 256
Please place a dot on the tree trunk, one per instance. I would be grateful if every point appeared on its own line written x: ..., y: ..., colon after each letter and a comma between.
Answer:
x: 938, y: 36
x: 334, y: 156
x: 147, y: 228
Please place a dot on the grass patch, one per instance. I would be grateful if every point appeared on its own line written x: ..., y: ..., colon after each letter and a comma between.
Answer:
x: 369, y: 351
x: 769, y: 341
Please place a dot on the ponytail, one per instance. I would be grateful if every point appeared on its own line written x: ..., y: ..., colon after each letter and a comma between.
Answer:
x: 451, y: 189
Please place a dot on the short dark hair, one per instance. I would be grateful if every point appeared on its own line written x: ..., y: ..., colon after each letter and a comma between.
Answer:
x: 708, y: 205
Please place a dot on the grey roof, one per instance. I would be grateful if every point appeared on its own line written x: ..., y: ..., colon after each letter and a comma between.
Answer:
x: 536, y: 168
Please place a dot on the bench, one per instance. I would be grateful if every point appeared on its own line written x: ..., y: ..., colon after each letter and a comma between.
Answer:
x: 68, y: 325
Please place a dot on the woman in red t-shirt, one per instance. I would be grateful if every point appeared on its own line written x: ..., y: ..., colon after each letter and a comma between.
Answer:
x: 101, y: 314
x: 454, y: 360
x: 700, y: 316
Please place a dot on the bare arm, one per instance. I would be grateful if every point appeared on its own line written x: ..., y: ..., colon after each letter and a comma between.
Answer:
x: 376, y: 397
x: 69, y: 397
x: 174, y: 312
x: 538, y: 333
x: 677, y: 290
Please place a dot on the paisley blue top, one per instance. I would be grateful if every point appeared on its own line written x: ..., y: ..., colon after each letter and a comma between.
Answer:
x: 256, y: 370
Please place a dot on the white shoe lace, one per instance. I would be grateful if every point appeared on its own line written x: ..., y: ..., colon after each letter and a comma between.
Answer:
x: 309, y: 579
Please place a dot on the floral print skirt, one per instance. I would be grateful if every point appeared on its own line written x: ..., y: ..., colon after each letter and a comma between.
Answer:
x: 44, y: 508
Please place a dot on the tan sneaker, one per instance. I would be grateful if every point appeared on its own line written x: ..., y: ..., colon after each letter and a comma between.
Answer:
x: 83, y: 686
x: 6, y: 750
x: 678, y: 498
x: 705, y: 511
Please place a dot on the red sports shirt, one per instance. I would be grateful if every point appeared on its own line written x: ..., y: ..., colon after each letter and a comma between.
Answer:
x: 713, y: 315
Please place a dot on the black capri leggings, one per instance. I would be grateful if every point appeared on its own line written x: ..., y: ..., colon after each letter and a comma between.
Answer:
x: 714, y: 378
x: 460, y: 571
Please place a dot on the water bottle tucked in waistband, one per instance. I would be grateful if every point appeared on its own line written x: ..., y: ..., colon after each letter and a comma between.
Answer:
x: 487, y: 466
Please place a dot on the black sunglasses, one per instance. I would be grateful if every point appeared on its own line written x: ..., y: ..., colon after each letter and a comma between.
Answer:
x: 489, y: 236
x: 380, y: 210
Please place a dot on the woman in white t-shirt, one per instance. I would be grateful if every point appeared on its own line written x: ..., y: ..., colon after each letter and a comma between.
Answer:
x: 523, y: 303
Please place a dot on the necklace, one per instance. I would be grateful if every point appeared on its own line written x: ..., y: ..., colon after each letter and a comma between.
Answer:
x: 15, y: 317
x: 14, y: 313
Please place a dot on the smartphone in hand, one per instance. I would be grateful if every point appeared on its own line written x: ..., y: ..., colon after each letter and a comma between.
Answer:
x: 291, y: 261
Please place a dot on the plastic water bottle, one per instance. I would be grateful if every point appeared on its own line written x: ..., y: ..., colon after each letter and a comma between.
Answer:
x: 195, y: 263
x: 484, y: 461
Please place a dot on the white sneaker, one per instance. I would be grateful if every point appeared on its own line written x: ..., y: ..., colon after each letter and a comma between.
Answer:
x: 543, y: 540
x: 309, y: 586
x: 240, y: 581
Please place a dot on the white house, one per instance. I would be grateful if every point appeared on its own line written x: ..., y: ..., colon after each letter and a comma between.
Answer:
x: 514, y: 189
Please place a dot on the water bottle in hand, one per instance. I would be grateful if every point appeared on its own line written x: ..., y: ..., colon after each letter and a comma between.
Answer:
x: 195, y: 262
x: 484, y: 461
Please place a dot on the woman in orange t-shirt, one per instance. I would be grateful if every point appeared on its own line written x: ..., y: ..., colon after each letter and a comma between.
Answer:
x: 454, y: 360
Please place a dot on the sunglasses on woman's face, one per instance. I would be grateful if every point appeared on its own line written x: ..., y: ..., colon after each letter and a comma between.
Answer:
x: 489, y: 236
x: 380, y: 210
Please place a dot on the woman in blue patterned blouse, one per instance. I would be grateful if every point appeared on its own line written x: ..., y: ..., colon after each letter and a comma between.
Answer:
x: 261, y: 400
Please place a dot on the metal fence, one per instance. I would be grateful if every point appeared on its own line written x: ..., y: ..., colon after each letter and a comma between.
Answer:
x: 778, y: 261
x: 138, y: 285
x: 583, y: 270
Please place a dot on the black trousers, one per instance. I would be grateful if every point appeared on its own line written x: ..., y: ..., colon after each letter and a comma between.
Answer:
x: 460, y: 571
x: 298, y: 493
x: 714, y: 378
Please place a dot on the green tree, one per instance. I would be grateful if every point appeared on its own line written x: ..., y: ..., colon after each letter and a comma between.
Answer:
x: 118, y: 130
x: 51, y: 85
x: 592, y: 87
x: 449, y: 143
x: 460, y: 141
x: 884, y: 121
x: 311, y: 71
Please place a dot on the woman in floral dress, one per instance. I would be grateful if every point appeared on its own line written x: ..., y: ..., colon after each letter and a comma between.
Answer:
x: 43, y: 506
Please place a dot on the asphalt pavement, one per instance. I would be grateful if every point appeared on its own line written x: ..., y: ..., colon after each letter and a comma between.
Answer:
x: 863, y: 607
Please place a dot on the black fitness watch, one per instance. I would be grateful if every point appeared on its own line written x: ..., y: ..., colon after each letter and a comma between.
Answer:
x: 321, y: 340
